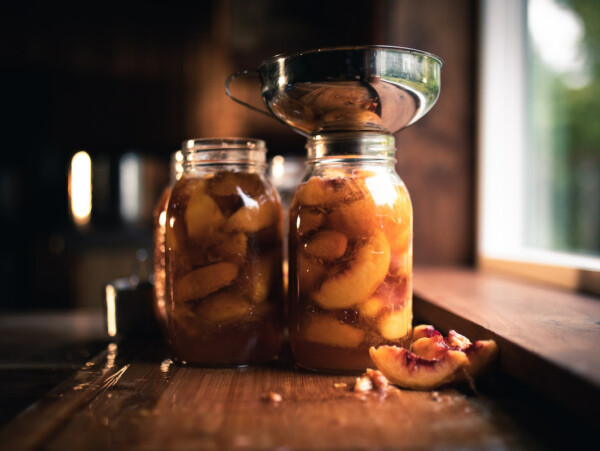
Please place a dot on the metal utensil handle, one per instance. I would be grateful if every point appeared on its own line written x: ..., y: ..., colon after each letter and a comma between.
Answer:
x: 243, y: 73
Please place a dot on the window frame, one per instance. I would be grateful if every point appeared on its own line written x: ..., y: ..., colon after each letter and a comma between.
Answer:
x: 502, y: 140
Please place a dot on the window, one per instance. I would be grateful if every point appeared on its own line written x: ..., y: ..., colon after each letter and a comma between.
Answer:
x: 539, y: 166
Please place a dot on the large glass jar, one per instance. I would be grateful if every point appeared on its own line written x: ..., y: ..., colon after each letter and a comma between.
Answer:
x: 159, y: 220
x: 350, y: 253
x: 223, y: 258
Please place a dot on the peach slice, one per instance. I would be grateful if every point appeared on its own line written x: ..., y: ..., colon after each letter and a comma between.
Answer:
x: 323, y: 192
x: 229, y: 246
x: 405, y: 369
x: 360, y: 280
x: 228, y: 183
x: 327, y: 244
x: 481, y: 355
x: 457, y: 340
x: 372, y: 306
x: 356, y: 219
x: 430, y: 344
x: 310, y: 274
x: 424, y: 330
x: 430, y: 347
x: 329, y: 331
x: 253, y: 217
x: 396, y: 324
x: 203, y: 281
x: 223, y: 307
x: 309, y: 221
x: 257, y: 277
x: 202, y: 215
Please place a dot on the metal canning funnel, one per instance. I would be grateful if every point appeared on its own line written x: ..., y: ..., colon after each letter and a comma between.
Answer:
x: 340, y: 89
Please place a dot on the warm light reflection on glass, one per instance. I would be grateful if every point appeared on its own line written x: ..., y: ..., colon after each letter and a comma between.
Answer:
x: 111, y: 318
x: 382, y: 192
x: 178, y: 164
x: 162, y: 218
x: 80, y: 187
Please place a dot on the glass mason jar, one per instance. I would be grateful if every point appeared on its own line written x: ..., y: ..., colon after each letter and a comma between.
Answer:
x: 159, y: 223
x: 223, y: 256
x: 350, y: 253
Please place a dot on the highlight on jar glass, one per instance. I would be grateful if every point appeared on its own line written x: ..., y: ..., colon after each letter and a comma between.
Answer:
x: 350, y: 254
x: 224, y: 256
x: 159, y: 220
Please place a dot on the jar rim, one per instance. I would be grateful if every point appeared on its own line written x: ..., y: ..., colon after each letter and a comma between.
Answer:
x: 224, y: 143
x: 223, y: 151
x: 351, y: 145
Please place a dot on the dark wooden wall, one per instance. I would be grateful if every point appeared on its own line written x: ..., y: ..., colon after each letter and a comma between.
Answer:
x: 147, y: 75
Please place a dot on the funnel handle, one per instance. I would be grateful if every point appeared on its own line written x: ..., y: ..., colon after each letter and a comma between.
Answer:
x: 244, y: 73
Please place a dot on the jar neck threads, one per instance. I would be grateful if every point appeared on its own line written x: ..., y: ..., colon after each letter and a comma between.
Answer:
x: 350, y: 145
x: 223, y: 152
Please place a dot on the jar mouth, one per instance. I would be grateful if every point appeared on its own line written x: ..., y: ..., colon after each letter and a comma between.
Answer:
x: 233, y: 143
x: 355, y: 145
x: 224, y: 151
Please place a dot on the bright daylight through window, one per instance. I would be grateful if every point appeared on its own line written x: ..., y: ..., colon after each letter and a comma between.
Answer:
x: 539, y: 178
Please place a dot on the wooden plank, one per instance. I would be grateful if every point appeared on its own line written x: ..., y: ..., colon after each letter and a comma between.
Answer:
x: 150, y: 403
x: 548, y: 338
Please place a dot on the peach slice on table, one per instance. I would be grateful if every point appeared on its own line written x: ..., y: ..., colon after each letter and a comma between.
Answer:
x: 329, y: 331
x: 431, y: 344
x: 202, y: 215
x: 327, y: 244
x: 457, y: 340
x: 356, y: 283
x: 481, y: 355
x: 424, y: 330
x: 203, y: 281
x: 407, y: 370
x: 430, y: 347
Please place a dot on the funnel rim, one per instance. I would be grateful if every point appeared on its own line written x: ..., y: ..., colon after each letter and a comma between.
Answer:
x: 399, y: 49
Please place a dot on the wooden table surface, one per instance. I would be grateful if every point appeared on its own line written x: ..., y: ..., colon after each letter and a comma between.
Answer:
x: 130, y: 395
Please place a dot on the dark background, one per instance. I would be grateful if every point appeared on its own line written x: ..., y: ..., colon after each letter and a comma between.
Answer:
x: 144, y: 76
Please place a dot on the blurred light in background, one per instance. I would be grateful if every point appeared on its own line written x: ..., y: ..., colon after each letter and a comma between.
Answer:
x: 80, y: 188
x: 562, y: 51
x: 111, y: 311
x: 130, y: 187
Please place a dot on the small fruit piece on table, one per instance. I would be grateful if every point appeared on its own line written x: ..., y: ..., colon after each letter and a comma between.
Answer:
x: 405, y: 369
x: 424, y: 330
x: 481, y: 354
x: 431, y: 344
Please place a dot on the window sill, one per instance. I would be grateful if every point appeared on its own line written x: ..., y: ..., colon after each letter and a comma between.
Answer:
x: 548, y: 338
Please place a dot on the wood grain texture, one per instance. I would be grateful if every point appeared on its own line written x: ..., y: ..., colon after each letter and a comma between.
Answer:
x: 130, y: 398
x: 548, y: 338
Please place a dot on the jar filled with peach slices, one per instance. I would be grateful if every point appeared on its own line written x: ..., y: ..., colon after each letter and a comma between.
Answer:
x: 223, y: 256
x: 350, y: 253
x: 159, y: 224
